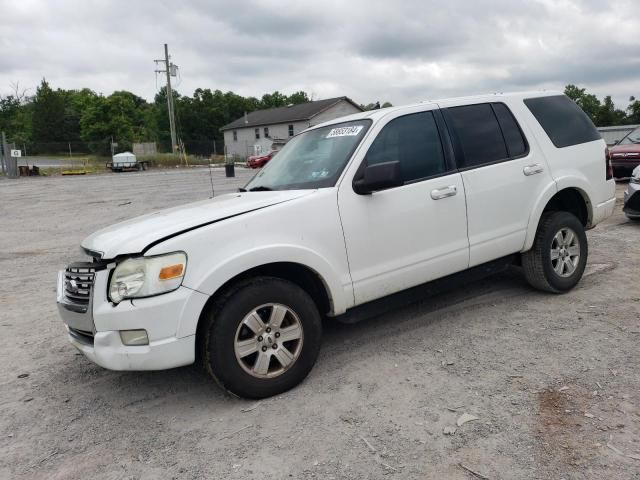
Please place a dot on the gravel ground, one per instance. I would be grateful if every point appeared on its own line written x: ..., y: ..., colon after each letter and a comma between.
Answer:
x: 553, y: 380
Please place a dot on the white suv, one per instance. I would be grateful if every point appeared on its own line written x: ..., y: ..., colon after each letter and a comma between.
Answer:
x: 348, y: 213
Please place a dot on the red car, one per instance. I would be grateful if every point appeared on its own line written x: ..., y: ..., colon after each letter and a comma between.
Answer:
x: 259, y: 161
x: 625, y: 155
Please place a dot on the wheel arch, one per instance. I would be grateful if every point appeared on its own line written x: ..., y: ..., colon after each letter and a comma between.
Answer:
x: 301, y: 275
x: 573, y: 199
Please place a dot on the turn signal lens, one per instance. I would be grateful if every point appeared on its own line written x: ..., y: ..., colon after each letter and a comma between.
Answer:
x: 172, y: 271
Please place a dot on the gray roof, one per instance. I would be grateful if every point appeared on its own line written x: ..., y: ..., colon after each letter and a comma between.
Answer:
x: 294, y: 113
x: 617, y: 127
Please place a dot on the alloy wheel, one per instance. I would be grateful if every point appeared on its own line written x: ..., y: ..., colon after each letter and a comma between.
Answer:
x: 269, y: 340
x: 565, y: 252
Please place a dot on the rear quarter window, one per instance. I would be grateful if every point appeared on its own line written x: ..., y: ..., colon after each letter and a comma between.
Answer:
x: 563, y: 121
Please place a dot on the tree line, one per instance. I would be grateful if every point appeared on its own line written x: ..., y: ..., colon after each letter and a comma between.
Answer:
x: 604, y: 113
x: 52, y: 118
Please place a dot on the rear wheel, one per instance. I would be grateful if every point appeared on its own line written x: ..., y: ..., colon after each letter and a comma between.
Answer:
x: 261, y: 337
x: 558, y: 257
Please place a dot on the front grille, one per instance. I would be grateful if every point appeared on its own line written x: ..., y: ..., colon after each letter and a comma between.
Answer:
x: 78, y: 282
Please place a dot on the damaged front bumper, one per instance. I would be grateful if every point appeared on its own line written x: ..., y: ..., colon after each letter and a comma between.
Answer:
x: 632, y: 201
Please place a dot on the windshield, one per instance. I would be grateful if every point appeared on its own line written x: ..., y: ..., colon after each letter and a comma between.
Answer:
x: 632, y: 137
x: 313, y: 159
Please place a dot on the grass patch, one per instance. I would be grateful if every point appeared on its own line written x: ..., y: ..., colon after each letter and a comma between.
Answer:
x: 164, y: 160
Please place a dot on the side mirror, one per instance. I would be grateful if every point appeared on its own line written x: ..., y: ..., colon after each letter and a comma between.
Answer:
x: 378, y: 177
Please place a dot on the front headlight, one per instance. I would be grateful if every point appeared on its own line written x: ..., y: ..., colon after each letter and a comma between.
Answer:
x: 147, y: 276
x: 635, y: 176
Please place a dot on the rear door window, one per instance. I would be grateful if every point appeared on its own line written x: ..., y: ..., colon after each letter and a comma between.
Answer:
x: 478, y: 134
x: 563, y: 120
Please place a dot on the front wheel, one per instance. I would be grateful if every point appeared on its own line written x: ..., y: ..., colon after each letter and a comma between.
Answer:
x: 558, y: 257
x: 261, y: 337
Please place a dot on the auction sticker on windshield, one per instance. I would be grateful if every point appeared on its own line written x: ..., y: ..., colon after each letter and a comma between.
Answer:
x: 345, y: 131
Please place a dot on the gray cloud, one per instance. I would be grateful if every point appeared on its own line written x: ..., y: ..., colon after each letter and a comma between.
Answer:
x: 401, y: 51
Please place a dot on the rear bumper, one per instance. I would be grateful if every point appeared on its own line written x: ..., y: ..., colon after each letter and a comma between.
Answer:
x: 602, y: 211
x: 625, y: 162
x: 624, y: 167
x: 632, y: 201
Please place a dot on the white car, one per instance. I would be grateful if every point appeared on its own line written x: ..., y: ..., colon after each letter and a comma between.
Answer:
x: 348, y: 213
x: 632, y: 196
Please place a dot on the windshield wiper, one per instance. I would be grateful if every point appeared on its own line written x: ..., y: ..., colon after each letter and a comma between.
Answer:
x: 260, y: 188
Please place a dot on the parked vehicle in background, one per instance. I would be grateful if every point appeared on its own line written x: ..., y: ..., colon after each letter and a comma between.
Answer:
x: 259, y: 161
x: 625, y: 155
x: 124, y: 161
x: 349, y: 212
x: 632, y: 196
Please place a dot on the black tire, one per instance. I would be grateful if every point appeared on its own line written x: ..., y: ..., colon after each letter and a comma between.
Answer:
x: 537, y: 264
x: 222, y: 321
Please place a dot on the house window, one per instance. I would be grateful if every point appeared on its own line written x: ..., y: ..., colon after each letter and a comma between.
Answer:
x: 235, y: 136
x: 266, y: 132
x: 291, y: 130
x: 257, y: 130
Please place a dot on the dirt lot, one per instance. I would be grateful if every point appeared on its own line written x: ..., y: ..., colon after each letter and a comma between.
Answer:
x: 553, y: 380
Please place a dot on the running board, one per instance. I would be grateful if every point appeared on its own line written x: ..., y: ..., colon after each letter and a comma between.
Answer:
x: 395, y: 301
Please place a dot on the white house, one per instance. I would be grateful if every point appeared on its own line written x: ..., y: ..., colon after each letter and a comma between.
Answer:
x: 255, y: 132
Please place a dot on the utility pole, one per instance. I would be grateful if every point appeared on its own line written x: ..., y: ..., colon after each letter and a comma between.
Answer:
x: 170, y: 70
x: 4, y: 153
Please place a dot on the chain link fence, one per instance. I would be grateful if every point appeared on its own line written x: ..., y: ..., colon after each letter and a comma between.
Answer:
x: 201, y: 148
x: 76, y: 155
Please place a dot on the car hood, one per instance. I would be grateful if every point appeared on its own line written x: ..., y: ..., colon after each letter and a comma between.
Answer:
x: 135, y: 235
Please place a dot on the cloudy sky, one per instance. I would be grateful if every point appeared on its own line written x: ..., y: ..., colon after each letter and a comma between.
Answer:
x: 402, y: 51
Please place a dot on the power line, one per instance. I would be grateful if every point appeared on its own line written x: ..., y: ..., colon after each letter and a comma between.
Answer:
x: 170, y: 69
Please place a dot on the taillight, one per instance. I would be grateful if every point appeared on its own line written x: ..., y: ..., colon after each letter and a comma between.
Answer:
x: 607, y: 161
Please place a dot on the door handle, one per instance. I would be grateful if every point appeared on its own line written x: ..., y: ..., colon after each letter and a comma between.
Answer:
x: 445, y: 192
x: 533, y: 169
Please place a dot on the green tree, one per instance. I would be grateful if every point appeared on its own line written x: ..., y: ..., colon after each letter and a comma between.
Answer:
x: 47, y: 122
x: 75, y: 102
x: 587, y: 101
x: 633, y: 111
x: 15, y: 119
x: 608, y: 114
x: 273, y: 100
x: 161, y: 116
x: 120, y: 116
x: 298, y: 98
